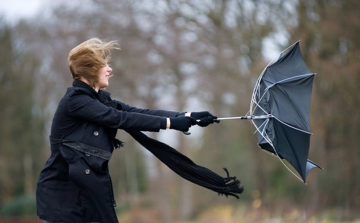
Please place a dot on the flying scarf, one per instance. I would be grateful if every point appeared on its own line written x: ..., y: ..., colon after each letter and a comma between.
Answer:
x: 187, y: 169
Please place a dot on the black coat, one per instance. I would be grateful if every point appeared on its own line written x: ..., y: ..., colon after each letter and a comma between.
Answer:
x: 75, y: 184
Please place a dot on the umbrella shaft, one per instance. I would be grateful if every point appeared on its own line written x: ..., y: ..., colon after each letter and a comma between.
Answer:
x: 246, y: 117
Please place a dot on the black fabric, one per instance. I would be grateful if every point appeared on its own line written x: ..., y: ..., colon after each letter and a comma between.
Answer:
x: 204, y: 118
x: 182, y: 123
x: 187, y: 169
x: 284, y: 92
x: 203, y: 122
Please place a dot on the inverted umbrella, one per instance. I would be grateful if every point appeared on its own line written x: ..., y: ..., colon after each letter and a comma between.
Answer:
x: 280, y: 107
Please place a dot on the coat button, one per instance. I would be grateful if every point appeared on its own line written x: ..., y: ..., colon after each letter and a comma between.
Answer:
x: 87, y: 154
x: 96, y: 133
x: 87, y: 171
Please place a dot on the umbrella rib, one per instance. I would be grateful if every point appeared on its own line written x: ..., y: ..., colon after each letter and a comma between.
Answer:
x: 262, y: 132
x: 298, y: 114
x: 267, y: 89
x: 297, y: 162
x: 272, y: 116
x: 289, y: 78
x: 266, y: 137
x: 260, y: 126
x: 290, y: 126
x: 282, y: 53
x: 257, y: 104
x: 268, y: 140
x: 288, y: 167
x: 256, y: 90
x: 257, y: 84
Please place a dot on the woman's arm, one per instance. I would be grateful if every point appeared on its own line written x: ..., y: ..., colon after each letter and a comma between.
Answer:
x: 85, y: 107
x: 155, y: 112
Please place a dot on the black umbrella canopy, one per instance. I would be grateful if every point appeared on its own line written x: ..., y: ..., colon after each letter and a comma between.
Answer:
x: 282, y: 95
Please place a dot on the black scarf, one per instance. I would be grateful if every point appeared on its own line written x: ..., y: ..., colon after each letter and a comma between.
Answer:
x: 187, y: 169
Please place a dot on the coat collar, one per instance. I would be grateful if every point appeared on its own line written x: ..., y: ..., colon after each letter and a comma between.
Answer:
x: 79, y: 83
x: 102, y: 96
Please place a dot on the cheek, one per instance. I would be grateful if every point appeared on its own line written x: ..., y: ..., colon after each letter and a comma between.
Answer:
x: 102, y: 72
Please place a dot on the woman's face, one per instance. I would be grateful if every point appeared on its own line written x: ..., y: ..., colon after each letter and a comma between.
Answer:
x: 104, y: 76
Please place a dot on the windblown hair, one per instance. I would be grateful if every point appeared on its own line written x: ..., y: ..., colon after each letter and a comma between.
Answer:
x: 86, y: 59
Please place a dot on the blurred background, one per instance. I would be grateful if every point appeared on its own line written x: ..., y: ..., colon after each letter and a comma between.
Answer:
x: 187, y: 56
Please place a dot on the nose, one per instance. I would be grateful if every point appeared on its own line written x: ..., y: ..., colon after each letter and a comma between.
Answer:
x: 109, y: 69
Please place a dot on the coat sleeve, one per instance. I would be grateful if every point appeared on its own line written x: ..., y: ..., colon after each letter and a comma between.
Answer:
x: 85, y: 107
x: 163, y: 113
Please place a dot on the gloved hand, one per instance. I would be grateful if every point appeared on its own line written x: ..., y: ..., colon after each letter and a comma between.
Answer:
x: 182, y: 123
x: 204, y: 118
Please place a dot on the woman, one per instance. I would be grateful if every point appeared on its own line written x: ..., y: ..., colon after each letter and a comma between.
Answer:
x: 75, y: 184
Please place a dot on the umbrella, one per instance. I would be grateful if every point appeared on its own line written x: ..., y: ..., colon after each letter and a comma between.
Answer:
x: 279, y: 110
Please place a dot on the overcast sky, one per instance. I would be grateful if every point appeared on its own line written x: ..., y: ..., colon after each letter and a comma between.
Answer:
x: 15, y: 9
x: 12, y: 10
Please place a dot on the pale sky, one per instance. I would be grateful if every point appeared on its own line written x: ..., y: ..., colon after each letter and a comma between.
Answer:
x: 15, y: 9
x: 12, y: 10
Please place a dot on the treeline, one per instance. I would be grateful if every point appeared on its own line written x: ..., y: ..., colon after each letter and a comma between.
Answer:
x: 190, y: 55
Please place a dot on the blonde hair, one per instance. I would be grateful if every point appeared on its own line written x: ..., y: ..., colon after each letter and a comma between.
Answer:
x: 86, y: 59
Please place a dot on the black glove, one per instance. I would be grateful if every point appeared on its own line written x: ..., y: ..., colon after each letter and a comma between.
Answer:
x: 204, y: 118
x: 182, y: 123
